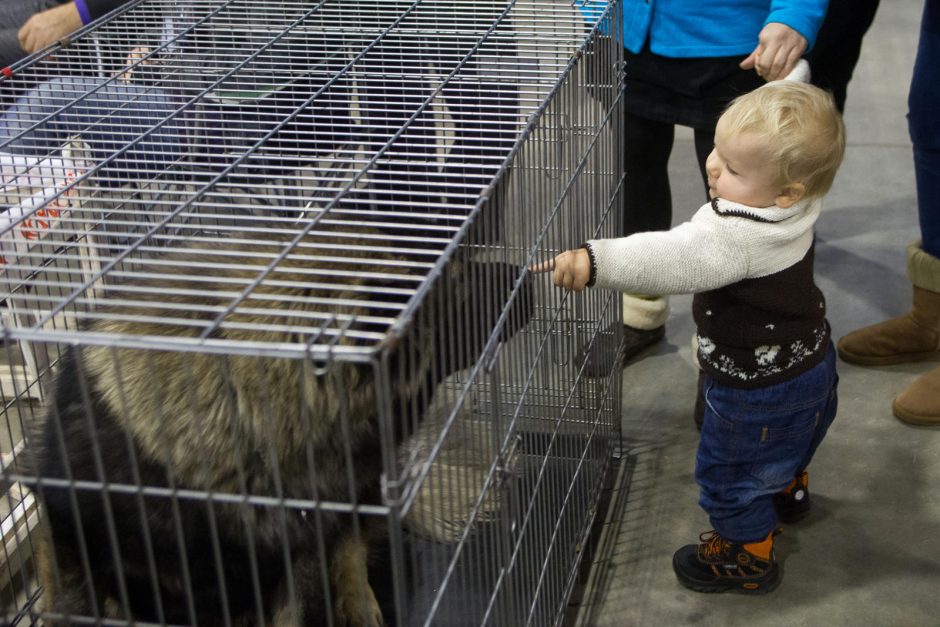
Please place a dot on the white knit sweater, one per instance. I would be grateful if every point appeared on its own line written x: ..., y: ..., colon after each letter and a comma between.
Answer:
x: 717, y: 247
x: 760, y: 317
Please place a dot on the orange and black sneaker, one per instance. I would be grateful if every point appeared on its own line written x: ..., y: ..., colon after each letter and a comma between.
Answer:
x: 792, y: 504
x: 718, y: 565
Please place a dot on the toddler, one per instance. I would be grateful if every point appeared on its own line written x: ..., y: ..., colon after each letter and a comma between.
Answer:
x: 763, y: 339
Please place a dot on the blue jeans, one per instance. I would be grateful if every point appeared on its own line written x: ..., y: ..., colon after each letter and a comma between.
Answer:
x: 924, y: 127
x: 754, y: 442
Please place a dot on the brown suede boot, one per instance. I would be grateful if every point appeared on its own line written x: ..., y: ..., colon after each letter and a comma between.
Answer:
x: 914, y: 336
x: 919, y: 404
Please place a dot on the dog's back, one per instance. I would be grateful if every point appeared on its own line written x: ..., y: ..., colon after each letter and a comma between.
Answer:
x: 186, y: 424
x: 195, y: 430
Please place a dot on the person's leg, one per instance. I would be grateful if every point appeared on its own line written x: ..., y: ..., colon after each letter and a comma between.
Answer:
x: 838, y: 45
x: 927, y: 173
x: 738, y: 553
x: 747, y: 456
x: 793, y: 502
x: 736, y: 476
x: 827, y: 410
x: 753, y: 443
x: 704, y: 143
x: 127, y: 128
x: 924, y: 128
x: 915, y: 336
x: 919, y: 403
x: 647, y: 204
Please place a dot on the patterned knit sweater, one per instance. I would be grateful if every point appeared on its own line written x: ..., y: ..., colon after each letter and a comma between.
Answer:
x: 760, y: 317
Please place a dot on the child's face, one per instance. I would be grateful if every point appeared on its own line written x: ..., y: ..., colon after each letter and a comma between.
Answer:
x: 739, y: 170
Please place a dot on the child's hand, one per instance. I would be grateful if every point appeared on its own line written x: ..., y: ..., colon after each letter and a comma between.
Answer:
x: 570, y: 270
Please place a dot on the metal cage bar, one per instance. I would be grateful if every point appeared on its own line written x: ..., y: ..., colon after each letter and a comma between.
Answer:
x: 266, y: 309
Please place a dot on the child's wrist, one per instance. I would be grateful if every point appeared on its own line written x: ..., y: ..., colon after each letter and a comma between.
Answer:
x: 592, y: 271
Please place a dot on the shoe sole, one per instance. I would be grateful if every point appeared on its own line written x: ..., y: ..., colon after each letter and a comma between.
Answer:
x: 886, y: 360
x: 747, y: 587
x: 914, y: 419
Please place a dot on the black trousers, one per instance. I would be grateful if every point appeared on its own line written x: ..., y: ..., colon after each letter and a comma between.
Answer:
x: 647, y: 202
x: 839, y: 45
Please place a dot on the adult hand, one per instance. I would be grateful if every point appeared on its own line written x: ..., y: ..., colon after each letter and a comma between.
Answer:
x: 49, y: 26
x: 779, y: 48
x: 135, y: 58
x: 570, y: 270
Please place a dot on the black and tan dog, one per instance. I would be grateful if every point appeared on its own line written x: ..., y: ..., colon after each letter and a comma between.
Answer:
x: 181, y: 423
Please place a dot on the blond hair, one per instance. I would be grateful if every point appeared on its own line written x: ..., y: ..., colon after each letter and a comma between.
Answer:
x: 804, y: 133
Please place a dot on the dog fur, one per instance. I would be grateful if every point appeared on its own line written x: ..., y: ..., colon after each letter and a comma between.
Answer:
x: 183, y: 421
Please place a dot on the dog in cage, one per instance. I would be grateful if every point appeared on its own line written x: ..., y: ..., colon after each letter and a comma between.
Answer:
x: 191, y: 435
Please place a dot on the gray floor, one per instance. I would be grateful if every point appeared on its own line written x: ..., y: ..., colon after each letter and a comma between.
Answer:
x: 869, y: 554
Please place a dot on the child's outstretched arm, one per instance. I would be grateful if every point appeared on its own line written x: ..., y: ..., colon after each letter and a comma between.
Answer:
x: 570, y: 270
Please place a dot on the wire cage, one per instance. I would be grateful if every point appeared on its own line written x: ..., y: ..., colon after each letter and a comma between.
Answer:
x: 273, y: 354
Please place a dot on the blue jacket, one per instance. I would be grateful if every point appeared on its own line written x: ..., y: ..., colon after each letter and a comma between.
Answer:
x: 710, y: 28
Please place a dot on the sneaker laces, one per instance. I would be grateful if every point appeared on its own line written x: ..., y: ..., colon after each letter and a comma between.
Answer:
x: 713, y: 544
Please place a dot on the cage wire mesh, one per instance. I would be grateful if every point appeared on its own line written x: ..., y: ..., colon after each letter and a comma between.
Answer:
x: 272, y: 351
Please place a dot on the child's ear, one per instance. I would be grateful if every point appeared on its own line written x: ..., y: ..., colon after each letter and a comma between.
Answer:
x: 790, y: 195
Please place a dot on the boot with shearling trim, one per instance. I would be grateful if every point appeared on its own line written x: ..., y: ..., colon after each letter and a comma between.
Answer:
x: 919, y: 404
x: 914, y: 336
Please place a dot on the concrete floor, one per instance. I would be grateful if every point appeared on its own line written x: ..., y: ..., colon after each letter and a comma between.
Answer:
x: 869, y: 553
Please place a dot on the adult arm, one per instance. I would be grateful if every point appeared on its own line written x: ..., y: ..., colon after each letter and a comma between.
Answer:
x: 53, y: 24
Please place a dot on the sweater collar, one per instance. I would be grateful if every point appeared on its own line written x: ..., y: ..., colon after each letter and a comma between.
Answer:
x: 772, y: 214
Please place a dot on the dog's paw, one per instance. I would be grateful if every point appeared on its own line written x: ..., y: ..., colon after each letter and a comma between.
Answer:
x: 358, y: 608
